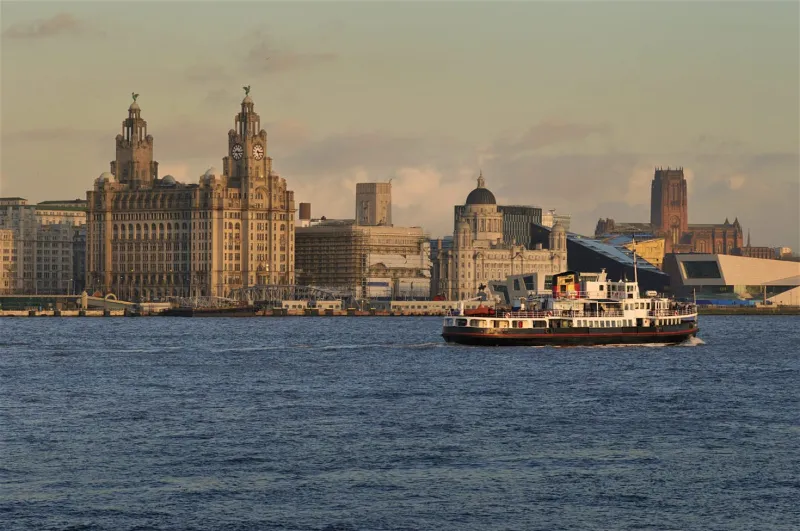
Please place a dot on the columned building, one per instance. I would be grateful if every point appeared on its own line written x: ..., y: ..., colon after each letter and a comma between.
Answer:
x: 480, y: 253
x: 151, y: 238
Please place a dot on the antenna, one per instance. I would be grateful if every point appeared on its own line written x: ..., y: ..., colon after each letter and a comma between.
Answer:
x: 635, y: 270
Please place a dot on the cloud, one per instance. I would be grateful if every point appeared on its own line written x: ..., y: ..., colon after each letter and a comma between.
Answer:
x: 93, y: 141
x: 265, y: 55
x: 545, y: 134
x: 59, y: 24
x: 180, y: 171
x: 379, y: 151
x: 205, y: 73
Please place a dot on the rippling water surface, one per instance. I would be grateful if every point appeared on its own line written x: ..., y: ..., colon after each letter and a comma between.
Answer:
x: 375, y: 423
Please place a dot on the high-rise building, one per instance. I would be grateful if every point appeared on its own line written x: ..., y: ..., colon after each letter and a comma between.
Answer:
x: 374, y: 204
x: 150, y: 238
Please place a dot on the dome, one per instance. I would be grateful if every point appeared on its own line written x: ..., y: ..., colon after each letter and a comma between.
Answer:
x: 106, y: 176
x: 134, y: 107
x: 558, y: 227
x: 247, y: 100
x: 211, y: 172
x: 463, y: 225
x: 168, y: 179
x: 481, y: 195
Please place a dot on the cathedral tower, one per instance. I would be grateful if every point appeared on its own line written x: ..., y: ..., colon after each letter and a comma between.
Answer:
x: 669, y: 210
x: 134, y: 165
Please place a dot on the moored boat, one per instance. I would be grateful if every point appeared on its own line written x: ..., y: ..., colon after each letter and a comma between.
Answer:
x: 578, y: 312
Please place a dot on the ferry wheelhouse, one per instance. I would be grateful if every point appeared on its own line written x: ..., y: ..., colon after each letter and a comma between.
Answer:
x: 577, y: 312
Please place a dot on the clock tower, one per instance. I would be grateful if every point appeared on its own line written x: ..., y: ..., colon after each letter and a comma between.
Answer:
x: 247, y: 162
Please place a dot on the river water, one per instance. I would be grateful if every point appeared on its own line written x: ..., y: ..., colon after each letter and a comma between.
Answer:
x: 374, y: 423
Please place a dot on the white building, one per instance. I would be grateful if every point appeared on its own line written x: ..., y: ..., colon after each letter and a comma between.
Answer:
x: 722, y: 277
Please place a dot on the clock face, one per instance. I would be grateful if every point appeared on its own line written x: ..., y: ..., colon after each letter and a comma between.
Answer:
x: 237, y: 151
x: 258, y: 151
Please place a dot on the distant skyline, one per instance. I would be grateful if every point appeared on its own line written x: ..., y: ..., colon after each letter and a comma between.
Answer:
x: 565, y: 105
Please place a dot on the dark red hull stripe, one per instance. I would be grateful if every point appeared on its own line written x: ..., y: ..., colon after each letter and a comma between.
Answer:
x: 504, y: 335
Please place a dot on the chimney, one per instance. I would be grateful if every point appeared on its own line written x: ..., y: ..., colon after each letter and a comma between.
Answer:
x: 305, y: 211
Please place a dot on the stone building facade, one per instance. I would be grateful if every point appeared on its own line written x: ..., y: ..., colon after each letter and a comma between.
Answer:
x: 49, y: 243
x: 8, y: 259
x: 374, y: 204
x: 150, y: 238
x: 367, y: 262
x: 669, y: 218
x: 480, y: 253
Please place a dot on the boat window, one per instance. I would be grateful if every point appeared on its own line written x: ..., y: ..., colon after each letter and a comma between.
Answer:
x: 540, y: 323
x: 461, y: 322
x: 480, y: 323
x: 519, y: 324
x: 501, y: 324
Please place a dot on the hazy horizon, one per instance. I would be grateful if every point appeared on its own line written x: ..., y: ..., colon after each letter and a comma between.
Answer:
x: 565, y: 105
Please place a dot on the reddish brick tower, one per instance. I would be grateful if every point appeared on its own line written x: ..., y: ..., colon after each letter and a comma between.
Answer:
x: 669, y: 208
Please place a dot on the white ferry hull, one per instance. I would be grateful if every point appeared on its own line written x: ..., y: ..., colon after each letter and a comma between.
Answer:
x: 672, y: 334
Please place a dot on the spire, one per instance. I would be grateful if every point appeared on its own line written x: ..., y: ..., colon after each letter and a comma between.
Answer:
x: 748, y: 237
x: 481, y: 181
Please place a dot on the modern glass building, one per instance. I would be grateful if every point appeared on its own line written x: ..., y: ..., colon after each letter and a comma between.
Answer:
x: 587, y: 255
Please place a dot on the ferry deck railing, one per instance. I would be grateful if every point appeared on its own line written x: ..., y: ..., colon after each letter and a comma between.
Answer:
x: 682, y: 311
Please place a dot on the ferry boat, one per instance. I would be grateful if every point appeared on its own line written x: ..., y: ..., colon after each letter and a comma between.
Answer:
x: 577, y: 312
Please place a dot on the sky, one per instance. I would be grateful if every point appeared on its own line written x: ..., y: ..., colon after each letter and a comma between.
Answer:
x: 564, y: 105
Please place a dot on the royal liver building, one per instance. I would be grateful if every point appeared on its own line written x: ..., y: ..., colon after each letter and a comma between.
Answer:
x: 149, y: 238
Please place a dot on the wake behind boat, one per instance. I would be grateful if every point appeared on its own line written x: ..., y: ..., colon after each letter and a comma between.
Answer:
x: 579, y: 311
